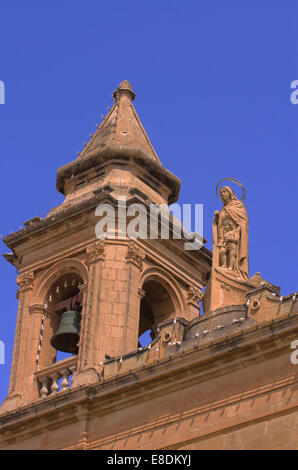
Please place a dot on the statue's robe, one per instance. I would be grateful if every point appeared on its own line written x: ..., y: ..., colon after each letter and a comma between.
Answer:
x: 236, y: 210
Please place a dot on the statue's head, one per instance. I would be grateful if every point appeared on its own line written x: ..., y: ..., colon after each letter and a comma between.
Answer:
x: 227, y: 194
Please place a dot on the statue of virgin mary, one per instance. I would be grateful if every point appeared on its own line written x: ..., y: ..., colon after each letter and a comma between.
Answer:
x: 230, y: 235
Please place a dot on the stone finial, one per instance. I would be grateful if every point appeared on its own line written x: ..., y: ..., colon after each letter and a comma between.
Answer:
x: 124, y: 89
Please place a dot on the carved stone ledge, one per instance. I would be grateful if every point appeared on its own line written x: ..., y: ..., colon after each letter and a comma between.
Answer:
x: 26, y: 281
x: 95, y: 252
x: 105, y: 189
x: 135, y: 255
x: 137, y: 192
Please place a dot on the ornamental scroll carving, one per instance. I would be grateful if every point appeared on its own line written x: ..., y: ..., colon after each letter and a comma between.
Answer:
x: 95, y: 252
x: 26, y: 281
x: 135, y: 255
x: 194, y: 295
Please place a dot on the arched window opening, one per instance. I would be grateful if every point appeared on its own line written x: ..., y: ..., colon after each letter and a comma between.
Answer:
x: 65, y: 303
x: 146, y: 334
x: 156, y: 307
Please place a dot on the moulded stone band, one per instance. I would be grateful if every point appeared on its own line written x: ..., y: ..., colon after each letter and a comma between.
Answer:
x: 102, y: 155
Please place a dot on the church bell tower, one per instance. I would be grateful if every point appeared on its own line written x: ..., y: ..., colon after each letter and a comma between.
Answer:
x: 106, y: 269
x: 91, y: 297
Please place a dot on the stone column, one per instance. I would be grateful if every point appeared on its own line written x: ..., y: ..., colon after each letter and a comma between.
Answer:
x: 21, y: 348
x: 113, y: 302
x: 110, y: 321
x: 36, y: 321
x: 88, y: 366
x: 134, y: 258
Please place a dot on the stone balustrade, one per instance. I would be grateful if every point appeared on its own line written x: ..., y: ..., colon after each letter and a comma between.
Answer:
x: 49, y: 377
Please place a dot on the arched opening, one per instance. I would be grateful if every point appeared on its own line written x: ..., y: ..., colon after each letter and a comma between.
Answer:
x: 146, y: 323
x: 157, y: 305
x: 65, y: 304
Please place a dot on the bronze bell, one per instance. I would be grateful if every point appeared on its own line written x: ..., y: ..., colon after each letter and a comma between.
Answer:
x: 67, y: 336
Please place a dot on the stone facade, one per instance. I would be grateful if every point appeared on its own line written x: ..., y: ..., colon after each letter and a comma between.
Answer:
x: 222, y: 380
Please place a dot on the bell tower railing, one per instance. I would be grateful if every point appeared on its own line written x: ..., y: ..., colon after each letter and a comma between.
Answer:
x: 48, y: 379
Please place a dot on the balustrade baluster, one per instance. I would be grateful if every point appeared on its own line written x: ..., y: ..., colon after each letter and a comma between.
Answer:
x: 72, y: 370
x: 49, y: 381
x: 64, y: 384
x: 44, y: 391
x: 55, y: 377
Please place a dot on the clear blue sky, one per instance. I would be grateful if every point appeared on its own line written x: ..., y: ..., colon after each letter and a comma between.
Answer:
x: 212, y: 82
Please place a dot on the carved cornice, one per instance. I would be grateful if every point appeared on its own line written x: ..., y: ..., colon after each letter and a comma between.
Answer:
x: 194, y: 296
x: 59, y: 217
x: 95, y: 252
x: 26, y: 281
x: 100, y: 156
x: 135, y: 255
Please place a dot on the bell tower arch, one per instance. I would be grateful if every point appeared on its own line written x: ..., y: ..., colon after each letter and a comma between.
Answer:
x: 161, y: 300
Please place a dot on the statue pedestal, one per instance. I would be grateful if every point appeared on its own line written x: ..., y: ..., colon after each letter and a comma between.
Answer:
x: 225, y: 288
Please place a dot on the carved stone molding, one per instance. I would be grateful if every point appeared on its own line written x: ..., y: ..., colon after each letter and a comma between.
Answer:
x: 83, y: 288
x: 37, y: 309
x: 194, y: 296
x: 26, y: 281
x: 135, y: 255
x: 95, y: 252
x: 141, y: 293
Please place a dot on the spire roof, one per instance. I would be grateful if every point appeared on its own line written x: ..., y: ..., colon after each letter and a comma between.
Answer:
x: 121, y: 126
x: 121, y: 136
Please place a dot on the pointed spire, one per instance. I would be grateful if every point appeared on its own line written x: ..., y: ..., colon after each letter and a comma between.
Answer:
x: 121, y: 136
x: 121, y: 126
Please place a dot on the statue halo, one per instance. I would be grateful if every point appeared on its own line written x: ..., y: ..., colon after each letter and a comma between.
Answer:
x: 233, y: 180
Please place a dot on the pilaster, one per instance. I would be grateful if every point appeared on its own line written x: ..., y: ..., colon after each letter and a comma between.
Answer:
x: 25, y: 282
x: 87, y: 356
x: 134, y: 259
